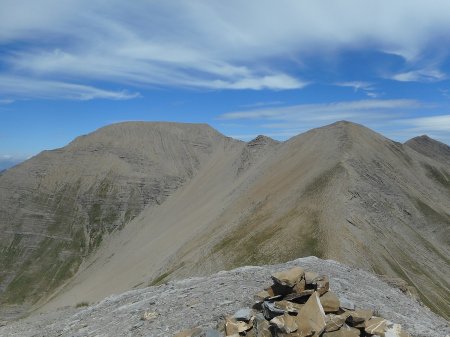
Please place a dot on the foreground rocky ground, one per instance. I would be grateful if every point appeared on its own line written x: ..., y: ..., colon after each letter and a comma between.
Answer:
x: 203, y: 302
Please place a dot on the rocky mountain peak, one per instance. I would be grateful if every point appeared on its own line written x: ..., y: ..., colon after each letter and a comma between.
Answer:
x: 430, y: 147
x: 262, y: 140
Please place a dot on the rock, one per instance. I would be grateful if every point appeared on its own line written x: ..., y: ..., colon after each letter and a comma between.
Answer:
x: 289, y: 278
x: 213, y: 333
x: 244, y: 314
x: 270, y: 310
x: 261, y: 326
x: 278, y: 291
x: 334, y: 322
x: 395, y: 330
x: 195, y: 332
x: 358, y: 318
x: 347, y: 304
x: 376, y: 326
x: 285, y: 323
x: 330, y: 302
x: 311, y: 317
x: 262, y: 295
x: 322, y: 284
x: 149, y: 315
x: 310, y: 277
x: 345, y: 331
x: 288, y: 307
x: 300, y: 286
x: 232, y: 326
x: 299, y: 296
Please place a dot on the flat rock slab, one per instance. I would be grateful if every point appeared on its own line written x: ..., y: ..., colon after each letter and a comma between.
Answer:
x: 121, y: 315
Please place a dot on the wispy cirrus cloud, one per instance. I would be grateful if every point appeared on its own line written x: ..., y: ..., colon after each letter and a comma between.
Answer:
x: 394, y: 118
x: 35, y: 88
x: 366, y: 87
x: 422, y: 75
x: 208, y: 44
x: 325, y: 112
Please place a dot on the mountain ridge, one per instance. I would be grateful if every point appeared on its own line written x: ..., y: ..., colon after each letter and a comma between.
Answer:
x: 343, y: 187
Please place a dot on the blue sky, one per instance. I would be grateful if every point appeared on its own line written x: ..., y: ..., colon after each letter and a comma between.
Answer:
x: 246, y: 68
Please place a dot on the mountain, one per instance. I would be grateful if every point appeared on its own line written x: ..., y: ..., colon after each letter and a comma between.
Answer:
x: 199, y: 202
x: 203, y: 301
x: 430, y: 148
x: 56, y: 208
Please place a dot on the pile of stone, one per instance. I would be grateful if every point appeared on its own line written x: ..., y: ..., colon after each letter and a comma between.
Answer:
x: 300, y: 304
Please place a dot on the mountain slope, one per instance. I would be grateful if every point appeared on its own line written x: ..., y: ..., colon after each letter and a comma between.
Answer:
x: 56, y: 208
x: 342, y: 192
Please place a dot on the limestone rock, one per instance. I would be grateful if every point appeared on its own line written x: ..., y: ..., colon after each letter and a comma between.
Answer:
x: 213, y: 333
x: 311, y: 317
x: 300, y: 286
x: 330, y: 302
x: 195, y: 332
x: 262, y: 295
x: 285, y: 323
x: 334, y: 322
x: 322, y: 284
x: 358, y: 318
x: 395, y: 330
x: 300, y: 295
x: 289, y: 278
x: 345, y: 331
x: 262, y: 326
x: 270, y: 310
x: 231, y: 326
x: 288, y: 307
x: 310, y: 277
x: 149, y: 315
x: 244, y: 314
x: 376, y: 326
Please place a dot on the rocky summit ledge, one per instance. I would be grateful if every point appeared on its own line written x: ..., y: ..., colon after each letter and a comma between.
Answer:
x: 204, y: 302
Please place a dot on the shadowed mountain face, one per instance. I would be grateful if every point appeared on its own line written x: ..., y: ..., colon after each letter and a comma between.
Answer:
x: 141, y: 203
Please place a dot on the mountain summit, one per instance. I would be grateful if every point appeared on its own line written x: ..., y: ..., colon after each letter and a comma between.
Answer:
x: 135, y: 204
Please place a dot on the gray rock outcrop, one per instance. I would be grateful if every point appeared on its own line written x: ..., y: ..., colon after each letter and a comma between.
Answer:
x: 204, y: 302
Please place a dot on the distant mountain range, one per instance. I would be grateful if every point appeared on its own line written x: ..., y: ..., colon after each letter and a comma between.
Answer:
x: 139, y: 203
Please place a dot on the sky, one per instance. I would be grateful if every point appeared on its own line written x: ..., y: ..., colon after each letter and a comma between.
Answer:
x: 279, y: 68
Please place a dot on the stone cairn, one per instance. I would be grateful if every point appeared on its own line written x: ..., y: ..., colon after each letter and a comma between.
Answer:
x: 300, y: 304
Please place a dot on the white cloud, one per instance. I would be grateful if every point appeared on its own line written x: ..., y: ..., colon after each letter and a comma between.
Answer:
x: 366, y: 87
x: 325, y: 112
x: 435, y: 126
x: 390, y: 117
x: 440, y: 123
x: 261, y: 104
x: 423, y: 75
x: 445, y: 92
x: 207, y: 43
x: 32, y: 88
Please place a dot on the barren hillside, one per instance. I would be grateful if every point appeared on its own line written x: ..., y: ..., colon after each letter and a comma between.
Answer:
x: 342, y: 192
x: 56, y: 208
